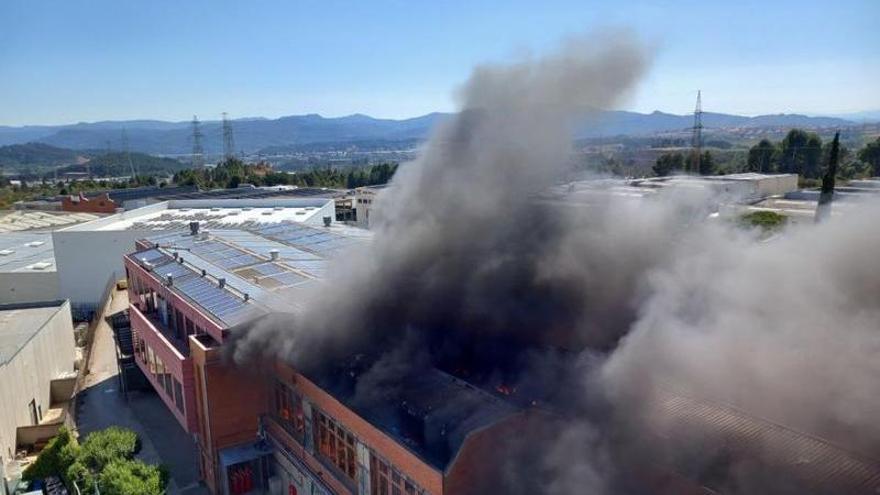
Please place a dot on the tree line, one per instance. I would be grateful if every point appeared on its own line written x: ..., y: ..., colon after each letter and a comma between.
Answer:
x: 233, y: 172
x: 804, y: 153
x: 799, y: 152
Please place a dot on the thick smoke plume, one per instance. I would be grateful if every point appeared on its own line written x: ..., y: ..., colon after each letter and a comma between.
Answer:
x: 590, y: 311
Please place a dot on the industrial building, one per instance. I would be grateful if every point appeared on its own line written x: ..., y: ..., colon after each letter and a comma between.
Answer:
x: 36, y: 373
x: 89, y: 255
x: 190, y: 289
x: 27, y: 267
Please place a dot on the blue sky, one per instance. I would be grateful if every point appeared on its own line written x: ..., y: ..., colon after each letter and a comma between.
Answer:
x: 84, y: 60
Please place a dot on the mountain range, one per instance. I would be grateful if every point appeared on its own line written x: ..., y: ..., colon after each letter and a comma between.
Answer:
x: 261, y: 134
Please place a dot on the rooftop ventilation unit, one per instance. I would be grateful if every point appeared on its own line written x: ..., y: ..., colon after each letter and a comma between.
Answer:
x: 35, y: 243
x: 327, y: 221
x: 6, y: 252
x: 169, y: 280
x: 147, y: 266
x: 194, y: 228
x: 204, y: 272
x: 247, y: 296
x: 273, y: 254
x: 42, y: 265
x: 221, y: 282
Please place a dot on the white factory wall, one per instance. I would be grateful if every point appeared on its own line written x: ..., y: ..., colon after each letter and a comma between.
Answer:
x: 27, y: 286
x: 48, y: 355
x: 87, y: 259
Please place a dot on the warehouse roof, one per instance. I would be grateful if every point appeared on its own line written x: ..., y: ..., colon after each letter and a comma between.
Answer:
x: 19, y: 323
x: 214, y: 214
x: 26, y: 252
x: 255, y: 260
x: 815, y: 464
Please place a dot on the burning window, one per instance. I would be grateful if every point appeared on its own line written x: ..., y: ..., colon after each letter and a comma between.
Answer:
x: 386, y: 480
x: 288, y: 409
x: 336, y: 444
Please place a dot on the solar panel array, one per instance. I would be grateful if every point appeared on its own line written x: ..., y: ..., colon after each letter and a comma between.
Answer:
x: 223, y: 255
x: 219, y: 302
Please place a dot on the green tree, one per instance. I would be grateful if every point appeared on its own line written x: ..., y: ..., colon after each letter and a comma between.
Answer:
x: 132, y: 477
x: 56, y: 458
x: 870, y: 155
x: 668, y: 163
x: 800, y: 153
x: 762, y: 157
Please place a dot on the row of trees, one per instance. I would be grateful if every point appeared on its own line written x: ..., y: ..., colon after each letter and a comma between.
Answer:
x: 233, y: 172
x: 668, y: 163
x: 803, y: 153
x: 103, y: 463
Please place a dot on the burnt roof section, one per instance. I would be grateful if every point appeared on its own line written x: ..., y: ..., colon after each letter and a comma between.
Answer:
x: 429, y: 412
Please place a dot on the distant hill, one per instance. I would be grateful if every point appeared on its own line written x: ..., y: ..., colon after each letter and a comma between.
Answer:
x: 39, y: 158
x: 36, y: 154
x: 303, y: 131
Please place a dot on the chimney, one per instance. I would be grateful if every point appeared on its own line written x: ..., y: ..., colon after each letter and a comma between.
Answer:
x: 194, y: 228
x: 247, y: 297
x: 327, y: 221
x: 273, y: 254
x: 221, y: 282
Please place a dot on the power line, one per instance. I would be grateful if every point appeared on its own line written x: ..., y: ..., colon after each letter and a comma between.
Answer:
x: 228, y: 139
x: 198, y: 153
x: 697, y: 137
x: 127, y: 152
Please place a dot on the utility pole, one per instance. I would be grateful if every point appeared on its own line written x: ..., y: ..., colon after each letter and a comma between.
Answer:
x: 228, y: 139
x: 127, y: 151
x: 198, y: 153
x: 697, y: 136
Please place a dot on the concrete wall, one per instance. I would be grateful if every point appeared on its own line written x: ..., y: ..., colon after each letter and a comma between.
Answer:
x: 48, y: 355
x: 85, y: 260
x: 28, y: 286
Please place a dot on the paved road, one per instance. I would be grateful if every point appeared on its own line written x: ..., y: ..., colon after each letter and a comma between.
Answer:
x: 101, y: 404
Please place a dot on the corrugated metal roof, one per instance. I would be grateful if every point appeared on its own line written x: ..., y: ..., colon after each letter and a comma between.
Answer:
x: 819, y: 465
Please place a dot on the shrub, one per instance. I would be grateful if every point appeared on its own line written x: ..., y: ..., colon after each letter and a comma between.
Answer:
x: 55, y: 459
x: 129, y: 477
x: 766, y: 220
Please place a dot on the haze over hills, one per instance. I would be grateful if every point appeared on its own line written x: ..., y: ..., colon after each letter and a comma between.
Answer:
x: 256, y: 134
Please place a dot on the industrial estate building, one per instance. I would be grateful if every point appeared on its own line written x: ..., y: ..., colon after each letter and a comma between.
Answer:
x: 36, y: 372
x: 89, y: 255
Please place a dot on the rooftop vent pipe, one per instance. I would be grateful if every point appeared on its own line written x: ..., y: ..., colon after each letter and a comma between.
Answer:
x: 221, y: 282
x: 204, y: 272
x: 327, y: 221
x: 247, y: 297
x: 169, y: 280
x: 273, y: 253
x: 194, y: 228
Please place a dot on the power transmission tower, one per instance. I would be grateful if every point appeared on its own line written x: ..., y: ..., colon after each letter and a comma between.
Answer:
x: 198, y: 153
x: 228, y: 139
x: 697, y: 137
x: 127, y: 151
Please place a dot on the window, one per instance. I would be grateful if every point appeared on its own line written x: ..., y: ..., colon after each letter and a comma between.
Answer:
x: 151, y: 361
x: 190, y: 328
x: 178, y: 395
x: 288, y: 408
x: 386, y: 480
x: 336, y: 444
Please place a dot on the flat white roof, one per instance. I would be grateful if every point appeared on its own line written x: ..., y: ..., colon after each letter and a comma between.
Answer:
x: 211, y: 214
